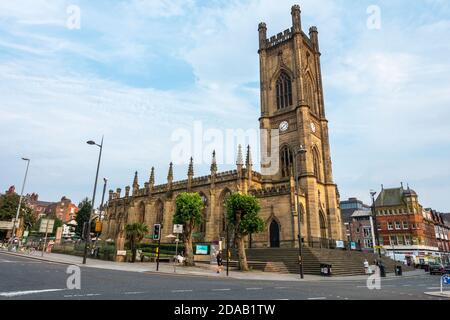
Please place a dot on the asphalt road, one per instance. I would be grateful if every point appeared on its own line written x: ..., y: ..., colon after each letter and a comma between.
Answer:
x: 24, y: 278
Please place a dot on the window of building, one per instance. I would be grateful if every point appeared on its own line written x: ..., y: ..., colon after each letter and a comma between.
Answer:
x: 367, y: 232
x: 368, y: 243
x: 400, y: 240
x: 397, y: 225
x: 408, y: 240
x: 393, y: 240
x: 390, y: 226
x: 379, y: 226
x: 284, y: 91
x: 405, y: 225
x: 287, y: 160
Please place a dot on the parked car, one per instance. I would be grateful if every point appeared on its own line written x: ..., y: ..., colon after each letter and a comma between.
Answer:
x: 436, y: 268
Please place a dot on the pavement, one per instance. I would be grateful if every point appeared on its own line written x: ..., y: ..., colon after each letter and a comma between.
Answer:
x: 25, y: 277
x: 199, y: 270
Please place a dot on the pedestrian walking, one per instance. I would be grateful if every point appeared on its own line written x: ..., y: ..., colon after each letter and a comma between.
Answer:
x: 366, y: 266
x: 219, y: 261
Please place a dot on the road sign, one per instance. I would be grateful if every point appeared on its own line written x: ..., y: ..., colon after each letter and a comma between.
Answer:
x: 177, y: 228
x: 446, y: 279
x: 46, y: 225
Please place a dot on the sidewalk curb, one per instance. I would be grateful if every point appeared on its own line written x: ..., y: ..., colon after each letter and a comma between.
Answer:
x: 445, y: 294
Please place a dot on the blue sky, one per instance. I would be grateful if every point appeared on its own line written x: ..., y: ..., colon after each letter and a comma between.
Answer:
x: 137, y: 70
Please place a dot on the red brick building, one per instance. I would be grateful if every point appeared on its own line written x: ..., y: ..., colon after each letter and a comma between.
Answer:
x: 406, y: 229
x: 64, y: 209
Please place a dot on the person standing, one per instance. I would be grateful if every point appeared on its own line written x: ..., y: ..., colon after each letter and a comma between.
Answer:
x: 366, y: 266
x: 219, y: 261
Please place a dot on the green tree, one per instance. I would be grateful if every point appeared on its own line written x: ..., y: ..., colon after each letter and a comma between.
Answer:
x: 242, y: 214
x: 135, y: 232
x: 8, y: 209
x: 188, y: 212
x: 83, y: 215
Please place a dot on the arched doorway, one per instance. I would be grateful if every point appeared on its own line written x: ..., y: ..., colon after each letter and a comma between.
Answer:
x: 274, y: 234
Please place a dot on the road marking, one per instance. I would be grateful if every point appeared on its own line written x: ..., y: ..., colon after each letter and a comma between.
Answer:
x: 281, y: 288
x: 82, y: 295
x: 433, y: 288
x: 221, y: 289
x: 177, y: 291
x: 136, y: 292
x: 23, y: 293
x: 407, y: 285
x: 253, y: 288
x: 318, y: 298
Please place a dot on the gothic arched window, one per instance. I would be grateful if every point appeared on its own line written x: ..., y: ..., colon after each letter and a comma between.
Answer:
x: 205, y: 210
x: 225, y: 194
x: 310, y: 96
x: 141, y: 212
x: 316, y: 163
x: 284, y: 91
x: 159, y: 212
x: 287, y: 160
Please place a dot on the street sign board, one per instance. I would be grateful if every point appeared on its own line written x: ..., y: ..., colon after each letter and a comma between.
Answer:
x: 46, y: 226
x: 177, y: 228
x: 6, y: 225
x: 340, y: 244
x: 446, y: 279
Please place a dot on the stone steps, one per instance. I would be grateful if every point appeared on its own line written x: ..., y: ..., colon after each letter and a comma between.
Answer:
x: 285, y: 260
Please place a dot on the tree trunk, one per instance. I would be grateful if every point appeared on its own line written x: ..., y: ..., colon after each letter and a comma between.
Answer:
x: 189, y: 254
x: 133, y: 251
x: 243, y: 266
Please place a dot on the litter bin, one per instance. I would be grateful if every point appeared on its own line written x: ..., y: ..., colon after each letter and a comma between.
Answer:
x: 382, y: 270
x: 398, y: 270
x: 325, y: 270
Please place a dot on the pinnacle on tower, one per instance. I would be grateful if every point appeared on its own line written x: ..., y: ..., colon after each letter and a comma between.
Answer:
x: 240, y: 158
x: 248, y: 159
x: 152, y: 176
x: 214, y: 162
x: 170, y: 174
x: 296, y: 18
x: 135, y: 181
x: 191, y: 168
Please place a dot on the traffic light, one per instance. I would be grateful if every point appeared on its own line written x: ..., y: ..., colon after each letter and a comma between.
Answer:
x: 157, y: 232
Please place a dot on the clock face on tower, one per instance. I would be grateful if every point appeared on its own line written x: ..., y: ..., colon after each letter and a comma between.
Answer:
x: 284, y: 126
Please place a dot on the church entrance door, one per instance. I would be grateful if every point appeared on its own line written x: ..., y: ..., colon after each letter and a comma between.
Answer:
x: 274, y: 234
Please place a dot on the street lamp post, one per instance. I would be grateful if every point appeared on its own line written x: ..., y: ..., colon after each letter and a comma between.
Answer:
x: 300, y: 151
x: 13, y: 233
x: 100, y: 215
x: 88, y: 233
x: 375, y: 228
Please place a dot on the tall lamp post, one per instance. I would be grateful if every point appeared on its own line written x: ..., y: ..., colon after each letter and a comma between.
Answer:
x: 88, y: 233
x: 300, y: 151
x: 375, y: 228
x: 100, y: 215
x: 13, y: 233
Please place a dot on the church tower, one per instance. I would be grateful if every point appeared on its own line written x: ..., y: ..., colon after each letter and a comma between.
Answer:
x: 292, y: 102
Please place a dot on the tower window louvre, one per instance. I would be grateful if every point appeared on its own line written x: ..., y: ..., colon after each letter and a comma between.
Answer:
x: 284, y: 91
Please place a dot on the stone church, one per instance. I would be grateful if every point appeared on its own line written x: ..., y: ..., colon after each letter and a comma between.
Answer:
x: 292, y: 102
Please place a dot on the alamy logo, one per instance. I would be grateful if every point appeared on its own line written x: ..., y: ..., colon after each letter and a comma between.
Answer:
x: 74, y: 280
x: 374, y: 281
x: 74, y: 19
x: 374, y: 19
